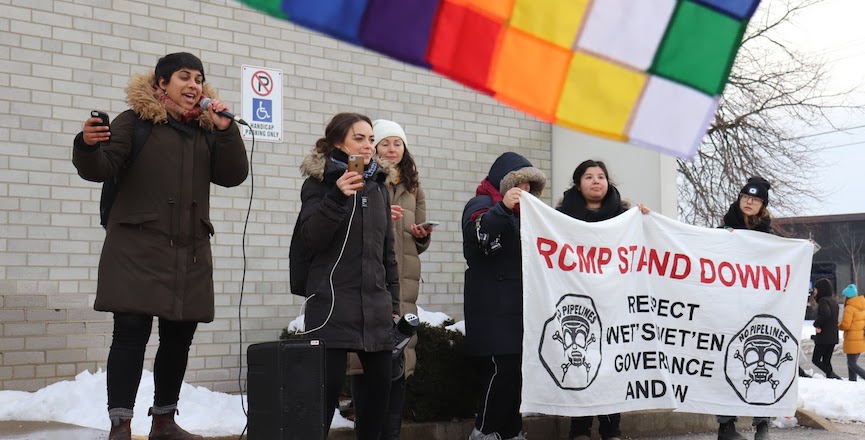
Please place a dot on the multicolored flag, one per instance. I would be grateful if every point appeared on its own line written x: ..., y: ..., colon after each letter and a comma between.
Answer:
x: 646, y: 72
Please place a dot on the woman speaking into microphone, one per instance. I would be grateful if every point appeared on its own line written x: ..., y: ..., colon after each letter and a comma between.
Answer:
x: 161, y: 155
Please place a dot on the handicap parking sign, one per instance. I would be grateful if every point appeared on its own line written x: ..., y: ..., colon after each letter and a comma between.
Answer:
x: 261, y: 99
x: 262, y: 110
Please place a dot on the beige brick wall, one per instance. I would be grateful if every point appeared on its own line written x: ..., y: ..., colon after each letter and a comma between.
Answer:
x: 60, y: 59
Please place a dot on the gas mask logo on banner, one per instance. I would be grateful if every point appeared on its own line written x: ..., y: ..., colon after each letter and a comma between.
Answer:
x: 760, y: 359
x: 570, y: 346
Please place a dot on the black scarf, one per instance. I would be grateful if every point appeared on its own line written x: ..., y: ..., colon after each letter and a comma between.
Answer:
x: 574, y: 205
x: 735, y: 218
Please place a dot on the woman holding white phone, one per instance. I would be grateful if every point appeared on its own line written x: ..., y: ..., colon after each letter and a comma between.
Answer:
x: 411, y: 238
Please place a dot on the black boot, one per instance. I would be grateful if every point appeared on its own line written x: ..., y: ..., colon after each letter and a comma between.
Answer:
x: 164, y: 428
x: 727, y: 431
x: 121, y: 431
x: 762, y: 431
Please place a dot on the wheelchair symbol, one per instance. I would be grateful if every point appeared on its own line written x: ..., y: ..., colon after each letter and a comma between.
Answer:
x: 263, y: 110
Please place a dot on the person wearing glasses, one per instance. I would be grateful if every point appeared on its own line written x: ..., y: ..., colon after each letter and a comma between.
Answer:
x: 748, y: 212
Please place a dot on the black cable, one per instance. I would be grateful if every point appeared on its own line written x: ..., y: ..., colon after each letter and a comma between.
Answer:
x: 242, y: 282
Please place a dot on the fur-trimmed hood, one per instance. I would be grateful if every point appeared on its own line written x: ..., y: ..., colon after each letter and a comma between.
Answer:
x: 313, y: 165
x: 142, y: 99
x: 510, y: 169
x: 536, y: 179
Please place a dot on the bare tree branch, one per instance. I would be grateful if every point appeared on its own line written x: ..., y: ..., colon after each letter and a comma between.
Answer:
x: 852, y: 245
x: 772, y: 88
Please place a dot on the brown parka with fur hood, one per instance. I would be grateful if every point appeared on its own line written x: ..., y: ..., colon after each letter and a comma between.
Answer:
x: 156, y: 258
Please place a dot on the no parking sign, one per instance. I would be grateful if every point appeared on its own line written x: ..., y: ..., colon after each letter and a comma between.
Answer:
x: 261, y: 97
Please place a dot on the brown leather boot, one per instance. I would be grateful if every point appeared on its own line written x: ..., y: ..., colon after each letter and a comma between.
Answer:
x: 121, y: 431
x: 164, y: 428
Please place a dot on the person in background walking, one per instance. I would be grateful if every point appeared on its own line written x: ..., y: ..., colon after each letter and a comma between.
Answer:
x: 826, y: 326
x: 853, y: 324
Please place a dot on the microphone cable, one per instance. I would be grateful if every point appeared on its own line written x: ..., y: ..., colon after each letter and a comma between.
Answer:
x: 243, y: 282
x: 332, y: 270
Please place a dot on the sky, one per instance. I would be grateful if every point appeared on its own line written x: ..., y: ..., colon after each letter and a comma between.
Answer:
x: 832, y: 30
x: 82, y: 401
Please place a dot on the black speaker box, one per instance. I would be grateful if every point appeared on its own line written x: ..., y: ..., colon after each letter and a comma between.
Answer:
x: 285, y: 388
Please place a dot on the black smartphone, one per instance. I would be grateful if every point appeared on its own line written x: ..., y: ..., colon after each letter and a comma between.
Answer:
x: 103, y: 116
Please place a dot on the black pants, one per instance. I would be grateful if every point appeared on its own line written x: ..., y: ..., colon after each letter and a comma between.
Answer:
x: 609, y: 426
x: 393, y: 421
x: 126, y: 359
x: 372, y: 410
x: 822, y: 358
x: 499, y: 400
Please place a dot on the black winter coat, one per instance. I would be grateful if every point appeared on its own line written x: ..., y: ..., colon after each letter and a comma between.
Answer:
x: 366, y: 280
x: 827, y: 321
x: 493, y: 283
x: 574, y: 205
x: 493, y: 300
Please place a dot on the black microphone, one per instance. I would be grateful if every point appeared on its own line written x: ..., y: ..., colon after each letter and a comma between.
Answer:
x: 205, y: 104
x: 403, y: 329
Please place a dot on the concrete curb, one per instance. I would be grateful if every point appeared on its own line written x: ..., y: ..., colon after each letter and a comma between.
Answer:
x: 636, y: 424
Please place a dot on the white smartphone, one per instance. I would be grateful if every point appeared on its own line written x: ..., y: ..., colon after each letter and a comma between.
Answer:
x: 429, y: 223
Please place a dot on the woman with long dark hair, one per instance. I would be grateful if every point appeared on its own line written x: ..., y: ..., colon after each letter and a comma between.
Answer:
x: 593, y: 198
x: 353, y: 283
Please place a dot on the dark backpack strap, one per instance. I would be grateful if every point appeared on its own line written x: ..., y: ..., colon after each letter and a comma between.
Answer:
x: 111, y: 187
x: 139, y: 138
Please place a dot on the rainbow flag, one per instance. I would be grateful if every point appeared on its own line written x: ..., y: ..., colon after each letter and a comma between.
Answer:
x: 646, y: 72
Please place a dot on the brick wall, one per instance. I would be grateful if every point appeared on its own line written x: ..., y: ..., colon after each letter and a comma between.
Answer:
x: 60, y: 59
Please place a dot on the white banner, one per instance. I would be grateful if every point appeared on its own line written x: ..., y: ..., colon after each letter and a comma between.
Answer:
x: 643, y: 312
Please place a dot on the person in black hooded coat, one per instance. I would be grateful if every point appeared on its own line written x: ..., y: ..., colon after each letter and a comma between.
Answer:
x: 593, y: 198
x: 494, y: 291
x: 826, y: 327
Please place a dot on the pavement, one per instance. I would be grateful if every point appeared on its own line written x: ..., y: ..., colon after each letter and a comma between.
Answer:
x: 637, y: 426
x: 640, y: 426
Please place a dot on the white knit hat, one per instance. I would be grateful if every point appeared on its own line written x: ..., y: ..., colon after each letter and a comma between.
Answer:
x: 383, y: 128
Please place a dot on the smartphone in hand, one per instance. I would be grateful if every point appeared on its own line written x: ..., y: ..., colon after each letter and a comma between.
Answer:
x: 429, y: 224
x: 355, y: 163
x: 101, y: 115
x: 105, y: 121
